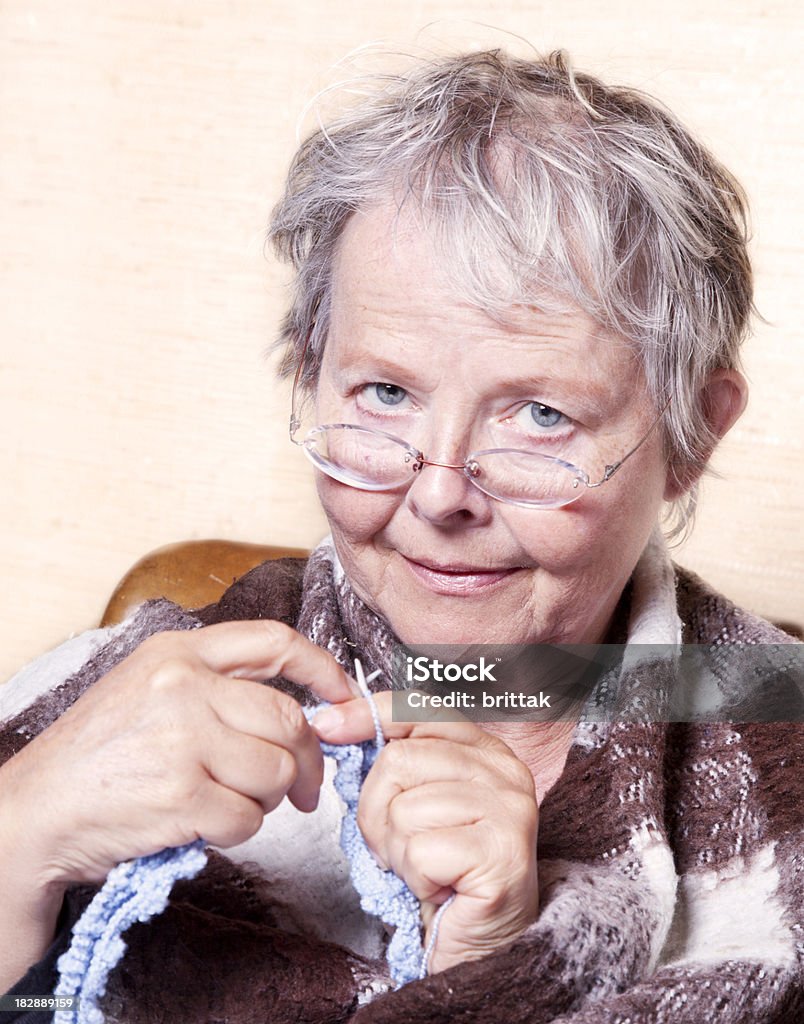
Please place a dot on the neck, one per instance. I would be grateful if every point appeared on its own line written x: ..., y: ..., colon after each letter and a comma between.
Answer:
x: 542, y: 746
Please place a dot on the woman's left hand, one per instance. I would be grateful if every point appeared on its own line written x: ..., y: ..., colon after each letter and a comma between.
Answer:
x: 449, y: 808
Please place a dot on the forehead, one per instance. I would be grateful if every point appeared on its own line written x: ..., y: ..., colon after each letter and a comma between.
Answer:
x: 394, y: 296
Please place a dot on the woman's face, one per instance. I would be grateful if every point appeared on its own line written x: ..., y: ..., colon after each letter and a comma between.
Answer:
x: 440, y: 560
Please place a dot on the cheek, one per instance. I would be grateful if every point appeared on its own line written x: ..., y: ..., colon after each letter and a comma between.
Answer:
x: 354, y: 516
x: 621, y: 525
x: 600, y: 536
x: 558, y: 542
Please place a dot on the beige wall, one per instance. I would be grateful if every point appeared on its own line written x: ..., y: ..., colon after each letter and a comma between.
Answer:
x: 142, y: 143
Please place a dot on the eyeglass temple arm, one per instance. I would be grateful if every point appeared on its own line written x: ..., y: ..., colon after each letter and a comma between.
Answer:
x: 295, y: 422
x: 610, y: 470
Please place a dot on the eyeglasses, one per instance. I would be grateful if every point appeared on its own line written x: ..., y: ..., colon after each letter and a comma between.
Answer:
x: 373, y: 460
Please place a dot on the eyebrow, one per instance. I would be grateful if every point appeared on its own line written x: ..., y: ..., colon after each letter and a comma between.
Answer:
x: 365, y: 361
x: 591, y: 392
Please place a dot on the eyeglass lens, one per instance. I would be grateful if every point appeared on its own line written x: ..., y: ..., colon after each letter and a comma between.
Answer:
x: 369, y: 459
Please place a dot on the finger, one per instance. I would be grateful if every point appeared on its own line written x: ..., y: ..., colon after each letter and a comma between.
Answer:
x: 414, y: 765
x: 503, y: 825
x: 352, y: 722
x: 435, y: 860
x: 489, y: 909
x: 226, y: 818
x: 267, y: 714
x: 264, y: 648
x: 429, y: 909
x: 438, y: 805
x: 255, y: 768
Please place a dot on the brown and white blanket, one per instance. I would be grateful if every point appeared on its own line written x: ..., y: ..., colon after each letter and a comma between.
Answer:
x: 671, y: 856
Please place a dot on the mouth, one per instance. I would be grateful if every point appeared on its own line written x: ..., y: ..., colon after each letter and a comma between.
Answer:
x: 456, y: 579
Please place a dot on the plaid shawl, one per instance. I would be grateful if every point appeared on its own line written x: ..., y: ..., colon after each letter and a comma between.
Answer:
x: 671, y: 863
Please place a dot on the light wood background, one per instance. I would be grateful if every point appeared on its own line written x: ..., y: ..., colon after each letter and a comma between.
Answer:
x: 142, y: 144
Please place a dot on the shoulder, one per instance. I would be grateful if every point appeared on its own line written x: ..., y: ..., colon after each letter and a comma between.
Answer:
x: 753, y: 756
x: 709, y: 617
x: 272, y: 590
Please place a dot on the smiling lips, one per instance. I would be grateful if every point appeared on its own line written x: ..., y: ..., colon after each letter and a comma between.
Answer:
x: 457, y: 580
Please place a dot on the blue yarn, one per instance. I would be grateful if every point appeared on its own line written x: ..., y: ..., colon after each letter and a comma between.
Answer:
x: 135, y: 890
x: 138, y: 890
x: 381, y: 892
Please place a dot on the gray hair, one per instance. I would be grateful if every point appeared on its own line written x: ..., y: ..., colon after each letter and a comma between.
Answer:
x: 587, y: 195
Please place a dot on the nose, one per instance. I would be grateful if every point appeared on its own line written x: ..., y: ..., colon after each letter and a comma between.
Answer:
x: 442, y: 494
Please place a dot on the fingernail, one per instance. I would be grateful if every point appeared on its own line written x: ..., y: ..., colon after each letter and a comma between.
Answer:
x: 308, y: 803
x: 327, y: 721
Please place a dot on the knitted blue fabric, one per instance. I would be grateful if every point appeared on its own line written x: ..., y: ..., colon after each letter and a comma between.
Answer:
x: 381, y: 892
x: 137, y: 890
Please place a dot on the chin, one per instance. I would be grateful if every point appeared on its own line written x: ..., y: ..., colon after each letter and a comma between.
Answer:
x: 454, y: 623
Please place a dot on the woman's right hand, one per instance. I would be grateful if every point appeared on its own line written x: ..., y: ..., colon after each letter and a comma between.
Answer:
x: 178, y: 741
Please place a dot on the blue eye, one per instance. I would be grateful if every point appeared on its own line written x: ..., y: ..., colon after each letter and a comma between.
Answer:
x: 389, y: 394
x: 545, y: 415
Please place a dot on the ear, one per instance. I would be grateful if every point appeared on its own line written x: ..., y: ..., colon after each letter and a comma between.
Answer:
x: 723, y: 399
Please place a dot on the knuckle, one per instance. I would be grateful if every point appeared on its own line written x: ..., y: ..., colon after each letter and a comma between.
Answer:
x: 517, y: 816
x: 276, y: 633
x: 366, y: 819
x: 523, y: 779
x: 171, y: 674
x: 292, y: 718
x: 497, y: 899
x: 285, y: 769
x: 185, y: 789
x: 515, y: 773
x: 519, y: 850
x: 397, y: 817
x: 419, y: 848
x: 526, y: 809
x: 245, y: 821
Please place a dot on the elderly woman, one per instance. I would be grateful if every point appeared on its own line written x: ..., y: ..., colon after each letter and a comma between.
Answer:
x: 518, y: 302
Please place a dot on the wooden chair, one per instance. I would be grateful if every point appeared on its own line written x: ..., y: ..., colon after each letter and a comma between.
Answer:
x: 192, y: 573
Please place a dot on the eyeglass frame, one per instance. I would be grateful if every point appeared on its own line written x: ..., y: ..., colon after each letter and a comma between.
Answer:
x: 469, y: 470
